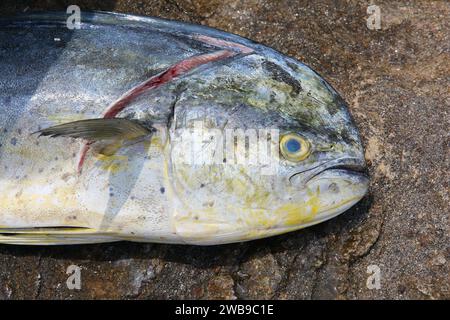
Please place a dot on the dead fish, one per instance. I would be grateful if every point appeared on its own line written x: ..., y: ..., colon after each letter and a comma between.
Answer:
x: 143, y: 129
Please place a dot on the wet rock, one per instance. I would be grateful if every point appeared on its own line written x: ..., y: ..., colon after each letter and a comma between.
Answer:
x: 259, y: 277
x: 221, y: 287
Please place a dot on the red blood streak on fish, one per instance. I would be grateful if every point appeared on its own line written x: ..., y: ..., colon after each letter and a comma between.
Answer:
x: 82, y: 155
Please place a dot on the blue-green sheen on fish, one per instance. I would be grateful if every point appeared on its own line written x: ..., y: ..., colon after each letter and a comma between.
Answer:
x: 98, y: 137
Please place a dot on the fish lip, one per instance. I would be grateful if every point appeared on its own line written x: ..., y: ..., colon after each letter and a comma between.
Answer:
x: 352, y: 165
x: 348, y: 164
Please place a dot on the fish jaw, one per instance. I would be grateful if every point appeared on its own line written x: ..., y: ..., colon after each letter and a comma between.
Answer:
x: 330, y: 193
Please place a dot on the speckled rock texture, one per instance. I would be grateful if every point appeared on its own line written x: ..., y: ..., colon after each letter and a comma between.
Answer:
x: 396, y: 81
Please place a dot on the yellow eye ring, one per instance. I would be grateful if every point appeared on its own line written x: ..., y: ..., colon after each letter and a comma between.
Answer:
x: 294, y: 147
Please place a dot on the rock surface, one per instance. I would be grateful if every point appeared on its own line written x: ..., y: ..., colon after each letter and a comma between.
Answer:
x: 396, y: 81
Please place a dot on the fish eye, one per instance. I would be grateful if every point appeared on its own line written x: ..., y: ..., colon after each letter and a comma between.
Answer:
x: 294, y: 147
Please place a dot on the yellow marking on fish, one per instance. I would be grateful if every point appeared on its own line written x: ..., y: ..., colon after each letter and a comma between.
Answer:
x: 155, y: 141
x: 300, y: 213
x: 113, y: 163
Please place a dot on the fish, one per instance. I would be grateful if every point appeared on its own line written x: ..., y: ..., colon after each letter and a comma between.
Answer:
x: 133, y: 128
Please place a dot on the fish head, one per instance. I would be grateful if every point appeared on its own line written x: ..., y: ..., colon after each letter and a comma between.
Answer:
x: 321, y: 170
x: 288, y: 161
x: 321, y: 174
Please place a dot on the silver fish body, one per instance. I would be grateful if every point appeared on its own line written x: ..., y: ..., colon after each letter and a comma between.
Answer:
x: 161, y: 187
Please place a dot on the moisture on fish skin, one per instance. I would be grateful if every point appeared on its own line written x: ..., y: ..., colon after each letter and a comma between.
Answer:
x: 142, y: 191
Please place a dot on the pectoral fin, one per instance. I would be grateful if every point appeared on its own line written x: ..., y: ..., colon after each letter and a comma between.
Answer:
x: 113, y: 133
x: 98, y: 129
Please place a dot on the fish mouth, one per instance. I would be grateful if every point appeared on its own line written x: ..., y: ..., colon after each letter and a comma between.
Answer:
x: 349, y: 165
x: 349, y: 171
